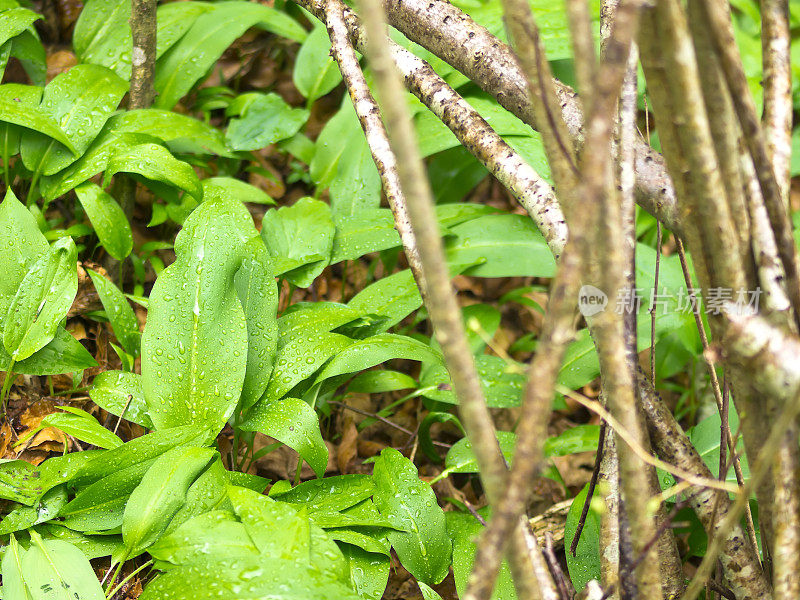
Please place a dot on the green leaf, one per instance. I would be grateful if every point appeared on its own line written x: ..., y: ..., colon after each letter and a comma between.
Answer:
x: 299, y: 238
x: 375, y: 350
x: 83, y: 426
x: 108, y: 219
x: 119, y: 312
x: 194, y: 346
x: 300, y: 357
x: 409, y: 503
x: 190, y: 542
x: 266, y: 119
x: 502, y: 382
x: 63, y: 354
x: 256, y: 577
x: 585, y: 565
x: 294, y: 423
x: 369, y: 572
x: 209, y: 492
x: 464, y: 530
x: 79, y: 101
x: 26, y: 113
x: 256, y: 289
x: 118, y: 391
x: 28, y: 49
x: 501, y: 246
x: 58, y: 570
x: 378, y: 382
x: 315, y: 72
x: 92, y: 546
x: 19, y: 481
x: 215, y: 187
x: 212, y: 32
x: 370, y: 230
x: 394, y: 297
x: 428, y: 593
x: 461, y: 459
x: 157, y: 163
x: 23, y: 517
x: 160, y: 495
x: 21, y: 245
x: 331, y: 494
x: 103, y: 35
x: 13, y: 575
x: 42, y: 301
x: 14, y: 21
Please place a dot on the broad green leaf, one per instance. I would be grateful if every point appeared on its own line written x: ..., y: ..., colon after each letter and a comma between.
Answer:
x: 300, y: 357
x: 183, y: 65
x: 215, y: 187
x: 157, y: 163
x: 160, y: 495
x: 363, y: 354
x: 42, y: 300
x: 501, y: 246
x: 247, y: 480
x: 266, y: 119
x: 331, y: 494
x: 257, y: 577
x: 192, y: 541
x: 256, y: 289
x: 23, y: 517
x: 294, y: 423
x: 343, y: 163
x: 194, y: 347
x: 92, y: 162
x: 585, y: 565
x: 453, y: 174
x: 25, y: 113
x: 464, y: 530
x: 450, y: 215
x: 502, y: 382
x: 108, y: 219
x: 208, y: 492
x: 377, y: 382
x: 369, y: 572
x: 79, y: 101
x: 59, y: 571
x: 14, y: 21
x: 367, y: 231
x: 83, y: 426
x: 63, y: 354
x: 315, y: 72
x: 317, y: 317
x: 428, y: 593
x: 19, y: 481
x: 394, y: 297
x: 365, y: 538
x: 92, y: 546
x: 14, y: 585
x: 103, y: 34
x: 21, y: 245
x: 461, y: 459
x: 28, y: 49
x: 139, y: 452
x: 299, y: 238
x: 424, y: 547
x: 26, y: 95
x: 101, y: 505
x: 119, y: 312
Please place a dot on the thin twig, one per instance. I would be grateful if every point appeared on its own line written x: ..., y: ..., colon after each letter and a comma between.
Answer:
x: 573, y: 547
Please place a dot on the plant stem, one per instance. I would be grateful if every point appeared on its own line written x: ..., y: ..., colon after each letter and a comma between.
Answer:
x: 6, y: 387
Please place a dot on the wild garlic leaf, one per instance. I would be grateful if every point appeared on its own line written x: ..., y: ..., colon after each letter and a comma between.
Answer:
x: 21, y: 245
x: 368, y: 571
x: 299, y: 238
x: 192, y: 57
x: 265, y: 120
x: 228, y: 187
x: 157, y: 163
x: 120, y: 393
x: 79, y: 101
x: 82, y: 426
x: 14, y: 585
x: 107, y: 218
x: 42, y: 300
x: 119, y: 312
x: 194, y: 346
x: 367, y: 231
x: 394, y: 297
x: 20, y: 106
x: 58, y: 570
x: 315, y: 71
x: 424, y: 547
x: 256, y: 289
x: 160, y: 495
x: 63, y: 354
x: 294, y: 423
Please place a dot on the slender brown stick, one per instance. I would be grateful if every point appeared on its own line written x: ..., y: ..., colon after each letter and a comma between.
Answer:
x: 442, y: 306
x: 777, y: 118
